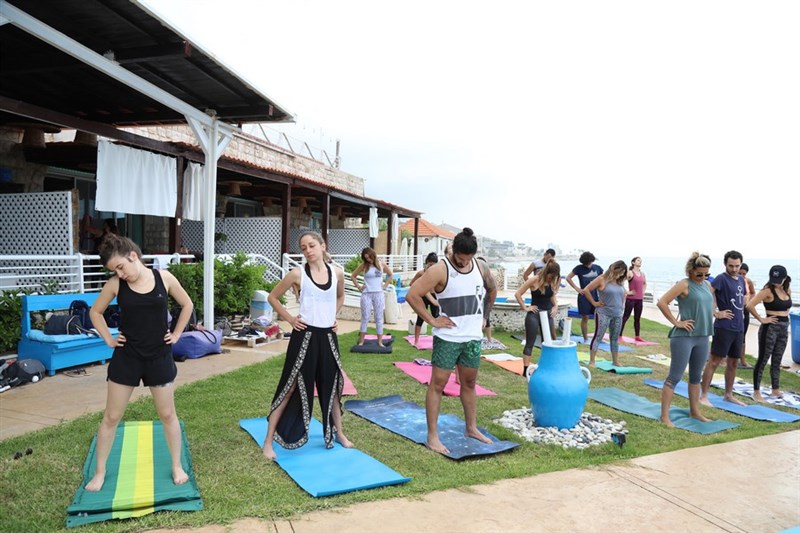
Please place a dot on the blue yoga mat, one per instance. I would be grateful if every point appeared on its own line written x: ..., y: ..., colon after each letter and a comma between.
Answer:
x: 637, y: 405
x: 757, y: 412
x: 407, y: 419
x: 608, y: 366
x: 606, y: 347
x: 321, y: 471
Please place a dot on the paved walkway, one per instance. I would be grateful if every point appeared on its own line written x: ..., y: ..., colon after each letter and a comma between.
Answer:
x: 682, y: 490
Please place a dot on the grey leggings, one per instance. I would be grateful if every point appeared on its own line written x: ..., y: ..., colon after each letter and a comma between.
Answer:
x: 372, y: 301
x: 687, y: 350
x: 533, y: 326
x: 614, y: 326
x: 772, y: 340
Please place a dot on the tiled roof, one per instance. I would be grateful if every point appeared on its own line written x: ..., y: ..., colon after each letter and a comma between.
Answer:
x: 427, y: 229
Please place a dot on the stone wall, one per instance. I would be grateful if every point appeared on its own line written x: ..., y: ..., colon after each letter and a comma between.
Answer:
x: 13, y: 158
x: 259, y: 152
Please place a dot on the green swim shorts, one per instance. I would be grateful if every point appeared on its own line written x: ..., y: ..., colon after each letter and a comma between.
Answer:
x: 448, y: 354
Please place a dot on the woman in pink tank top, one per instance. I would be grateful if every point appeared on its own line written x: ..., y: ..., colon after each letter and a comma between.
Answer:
x: 637, y: 283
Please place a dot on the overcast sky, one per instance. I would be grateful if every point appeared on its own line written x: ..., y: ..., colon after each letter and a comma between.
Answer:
x: 623, y: 127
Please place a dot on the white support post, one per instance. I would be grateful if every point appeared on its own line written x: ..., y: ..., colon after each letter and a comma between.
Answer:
x: 213, y: 143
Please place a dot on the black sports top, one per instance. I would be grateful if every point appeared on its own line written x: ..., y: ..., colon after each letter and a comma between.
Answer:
x: 777, y: 304
x: 544, y: 300
x: 144, y: 320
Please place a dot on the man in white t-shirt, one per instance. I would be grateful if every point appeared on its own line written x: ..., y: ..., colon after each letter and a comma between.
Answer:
x: 538, y: 264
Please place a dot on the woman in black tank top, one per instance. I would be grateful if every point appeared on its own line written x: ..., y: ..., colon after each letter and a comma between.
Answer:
x: 773, y: 334
x: 143, y: 348
x: 544, y: 289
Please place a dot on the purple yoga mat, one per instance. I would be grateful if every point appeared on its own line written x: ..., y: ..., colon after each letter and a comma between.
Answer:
x: 423, y: 375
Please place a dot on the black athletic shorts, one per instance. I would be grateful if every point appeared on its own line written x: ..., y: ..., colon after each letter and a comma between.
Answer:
x: 131, y: 370
x: 727, y: 343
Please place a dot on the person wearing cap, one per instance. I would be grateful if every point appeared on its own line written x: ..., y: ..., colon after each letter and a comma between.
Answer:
x: 729, y: 291
x: 751, y: 290
x: 773, y: 334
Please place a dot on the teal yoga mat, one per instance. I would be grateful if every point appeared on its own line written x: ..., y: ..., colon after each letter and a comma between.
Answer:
x: 321, y: 471
x: 757, y: 412
x: 407, y: 419
x: 631, y: 403
x: 608, y: 366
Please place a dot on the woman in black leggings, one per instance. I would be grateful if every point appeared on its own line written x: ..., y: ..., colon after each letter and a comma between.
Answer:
x: 544, y: 297
x: 773, y: 334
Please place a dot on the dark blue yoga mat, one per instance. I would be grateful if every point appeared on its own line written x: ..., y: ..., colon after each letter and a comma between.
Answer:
x: 606, y: 347
x: 637, y: 405
x: 757, y: 412
x: 408, y: 420
x: 321, y: 471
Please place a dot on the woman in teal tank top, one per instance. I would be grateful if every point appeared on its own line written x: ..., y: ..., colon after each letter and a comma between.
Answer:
x: 688, y: 339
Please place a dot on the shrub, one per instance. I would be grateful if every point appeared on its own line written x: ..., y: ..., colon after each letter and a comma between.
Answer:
x: 351, y: 265
x: 10, y: 320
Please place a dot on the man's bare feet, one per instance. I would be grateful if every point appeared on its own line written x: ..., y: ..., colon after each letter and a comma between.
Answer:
x: 705, y: 401
x: 179, y: 476
x: 436, y: 445
x: 475, y: 434
x: 344, y: 441
x: 698, y: 416
x: 269, y: 453
x: 730, y: 398
x: 667, y: 422
x: 96, y: 483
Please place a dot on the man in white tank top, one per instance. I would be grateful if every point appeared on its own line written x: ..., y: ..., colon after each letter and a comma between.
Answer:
x: 465, y: 290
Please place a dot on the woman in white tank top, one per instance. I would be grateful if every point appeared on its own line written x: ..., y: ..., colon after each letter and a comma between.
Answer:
x: 372, y: 295
x: 312, y: 358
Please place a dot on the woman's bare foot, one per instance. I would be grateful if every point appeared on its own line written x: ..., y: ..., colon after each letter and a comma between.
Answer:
x: 667, y: 422
x: 776, y: 394
x: 380, y: 345
x: 96, y: 483
x: 179, y: 476
x: 344, y: 441
x: 705, y: 401
x: 269, y: 453
x: 698, y: 416
x: 475, y: 434
x: 437, y: 446
x: 757, y: 397
x: 730, y: 398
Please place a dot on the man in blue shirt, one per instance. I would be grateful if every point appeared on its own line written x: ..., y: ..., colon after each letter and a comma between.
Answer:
x: 730, y: 291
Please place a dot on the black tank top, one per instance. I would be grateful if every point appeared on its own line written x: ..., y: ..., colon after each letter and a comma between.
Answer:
x: 542, y: 300
x: 144, y: 320
x: 777, y: 304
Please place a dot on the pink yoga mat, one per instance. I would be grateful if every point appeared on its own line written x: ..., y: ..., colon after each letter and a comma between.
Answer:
x: 423, y: 375
x: 349, y: 388
x: 375, y: 337
x: 425, y: 342
x: 630, y: 340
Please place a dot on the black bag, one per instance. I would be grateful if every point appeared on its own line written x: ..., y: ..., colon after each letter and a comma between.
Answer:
x: 21, y: 372
x: 112, y: 316
x: 64, y: 325
x: 176, y: 313
x: 80, y: 309
x: 224, y: 325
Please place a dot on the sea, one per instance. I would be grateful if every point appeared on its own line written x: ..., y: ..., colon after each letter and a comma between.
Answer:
x: 663, y: 272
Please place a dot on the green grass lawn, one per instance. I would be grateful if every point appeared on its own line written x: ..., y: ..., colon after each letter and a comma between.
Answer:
x: 237, y: 482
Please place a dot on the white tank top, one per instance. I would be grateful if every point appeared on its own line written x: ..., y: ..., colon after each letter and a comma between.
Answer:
x: 373, y: 279
x: 462, y: 301
x: 317, y: 304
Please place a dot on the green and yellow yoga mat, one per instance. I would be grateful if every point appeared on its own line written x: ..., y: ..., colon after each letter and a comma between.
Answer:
x: 138, y: 479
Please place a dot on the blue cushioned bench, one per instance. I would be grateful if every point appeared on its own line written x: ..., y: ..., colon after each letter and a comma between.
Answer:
x: 54, y: 356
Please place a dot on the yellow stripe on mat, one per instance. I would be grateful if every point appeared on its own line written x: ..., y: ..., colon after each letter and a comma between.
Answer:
x: 135, y: 484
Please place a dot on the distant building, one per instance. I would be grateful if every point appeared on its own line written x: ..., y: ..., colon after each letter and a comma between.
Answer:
x: 432, y: 238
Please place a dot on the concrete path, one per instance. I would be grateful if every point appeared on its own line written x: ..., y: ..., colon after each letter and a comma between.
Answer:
x: 747, y: 485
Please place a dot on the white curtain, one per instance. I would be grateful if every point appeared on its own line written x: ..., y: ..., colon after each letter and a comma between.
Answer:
x: 193, y: 178
x: 395, y: 230
x: 135, y: 181
x: 373, y: 222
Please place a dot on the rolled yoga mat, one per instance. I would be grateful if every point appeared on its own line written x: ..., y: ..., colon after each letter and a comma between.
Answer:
x: 138, y: 478
x: 321, y: 471
x: 757, y: 412
x: 422, y: 373
x: 631, y: 403
x: 407, y: 419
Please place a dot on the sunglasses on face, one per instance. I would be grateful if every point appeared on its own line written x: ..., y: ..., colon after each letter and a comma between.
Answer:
x: 701, y: 275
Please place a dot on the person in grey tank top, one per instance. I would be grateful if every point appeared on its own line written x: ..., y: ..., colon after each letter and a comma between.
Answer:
x: 609, y: 308
x: 688, y: 339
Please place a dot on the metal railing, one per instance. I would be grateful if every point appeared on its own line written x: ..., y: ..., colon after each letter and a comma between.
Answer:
x: 398, y: 263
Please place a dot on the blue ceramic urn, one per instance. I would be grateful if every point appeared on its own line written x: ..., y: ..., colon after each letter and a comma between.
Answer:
x: 559, y: 386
